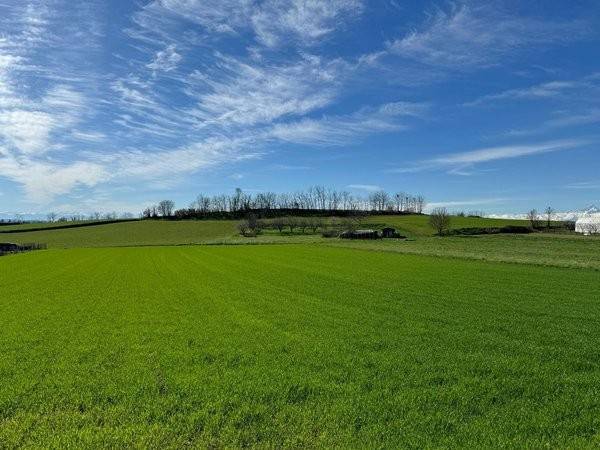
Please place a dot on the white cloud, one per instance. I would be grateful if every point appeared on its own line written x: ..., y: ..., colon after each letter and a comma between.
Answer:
x: 243, y: 94
x: 462, y: 203
x: 43, y: 180
x: 27, y: 124
x: 142, y: 110
x: 579, y: 89
x: 88, y: 136
x: 131, y: 95
x: 183, y: 160
x: 306, y: 21
x: 216, y: 15
x: 26, y: 130
x: 566, y: 119
x: 584, y: 185
x: 273, y: 22
x: 364, y: 187
x: 474, y: 36
x: 64, y: 100
x: 165, y: 60
x: 338, y: 130
x: 467, y: 159
x: 542, y: 91
x: 251, y: 143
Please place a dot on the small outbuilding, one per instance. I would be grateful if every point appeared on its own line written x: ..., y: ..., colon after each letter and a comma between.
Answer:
x: 389, y: 232
x: 588, y: 225
x: 7, y: 247
x: 360, y: 234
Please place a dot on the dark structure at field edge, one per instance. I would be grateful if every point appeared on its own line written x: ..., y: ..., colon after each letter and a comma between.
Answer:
x: 360, y: 234
x: 9, y: 247
x: 386, y: 233
x: 68, y: 225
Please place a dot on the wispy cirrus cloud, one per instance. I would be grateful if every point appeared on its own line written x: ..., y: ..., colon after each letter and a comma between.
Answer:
x: 564, y: 119
x: 339, y: 130
x: 364, y: 187
x: 466, y: 36
x: 551, y: 89
x: 469, y: 203
x: 184, y: 160
x: 568, y: 90
x: 253, y: 143
x: 463, y: 160
x: 165, y: 60
x: 306, y: 21
x: 584, y: 185
x: 271, y: 22
x: 240, y: 93
x: 478, y: 35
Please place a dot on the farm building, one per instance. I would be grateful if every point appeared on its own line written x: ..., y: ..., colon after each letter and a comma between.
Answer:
x: 9, y: 247
x: 588, y: 225
x: 6, y: 247
x: 389, y: 233
x: 360, y: 234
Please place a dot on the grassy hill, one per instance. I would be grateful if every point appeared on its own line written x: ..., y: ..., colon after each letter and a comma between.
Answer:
x: 294, y: 346
x: 161, y: 232
x: 147, y: 232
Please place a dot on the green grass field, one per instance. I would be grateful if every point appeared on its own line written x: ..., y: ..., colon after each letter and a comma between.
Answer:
x: 143, y: 340
x: 294, y: 346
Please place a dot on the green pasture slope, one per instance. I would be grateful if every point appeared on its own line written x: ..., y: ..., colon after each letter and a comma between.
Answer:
x: 46, y: 225
x: 294, y: 346
x: 164, y: 232
x: 146, y: 232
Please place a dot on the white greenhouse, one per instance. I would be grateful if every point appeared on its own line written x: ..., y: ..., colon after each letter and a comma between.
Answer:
x: 588, y: 225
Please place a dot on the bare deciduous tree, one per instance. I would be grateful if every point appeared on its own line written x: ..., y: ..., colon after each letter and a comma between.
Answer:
x: 314, y: 198
x: 279, y: 224
x: 254, y: 224
x: 549, y: 215
x: 291, y: 223
x: 243, y: 227
x: 316, y: 223
x: 303, y: 224
x: 165, y: 208
x: 439, y: 219
x: 533, y: 218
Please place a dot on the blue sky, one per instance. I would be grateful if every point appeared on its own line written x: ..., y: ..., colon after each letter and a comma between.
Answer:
x: 110, y: 105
